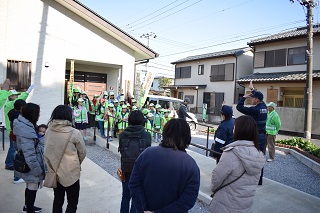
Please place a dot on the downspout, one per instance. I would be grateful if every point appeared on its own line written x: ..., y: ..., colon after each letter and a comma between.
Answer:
x: 235, y: 81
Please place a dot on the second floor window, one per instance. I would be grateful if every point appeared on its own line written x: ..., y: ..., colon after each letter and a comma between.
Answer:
x: 222, y: 72
x: 183, y: 72
x: 200, y: 69
x: 275, y: 58
x: 296, y: 55
x: 19, y: 73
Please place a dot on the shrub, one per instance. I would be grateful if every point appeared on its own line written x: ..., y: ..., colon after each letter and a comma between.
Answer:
x: 212, y: 130
x: 302, y: 144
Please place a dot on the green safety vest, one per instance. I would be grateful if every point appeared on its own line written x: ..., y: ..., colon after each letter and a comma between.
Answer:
x: 110, y: 117
x: 273, y: 123
x: 123, y: 124
x: 82, y: 115
x: 164, y: 121
x: 149, y: 127
x: 99, y: 117
x: 157, y: 120
x: 94, y: 108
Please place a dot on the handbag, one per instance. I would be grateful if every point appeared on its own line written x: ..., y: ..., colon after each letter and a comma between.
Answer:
x: 215, y: 191
x: 19, y: 162
x: 51, y: 178
x: 121, y: 175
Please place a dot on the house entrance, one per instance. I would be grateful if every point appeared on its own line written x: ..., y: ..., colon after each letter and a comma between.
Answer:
x: 92, y: 83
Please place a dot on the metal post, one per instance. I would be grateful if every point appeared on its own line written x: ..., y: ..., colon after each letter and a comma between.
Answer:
x: 108, y: 129
x: 207, y: 146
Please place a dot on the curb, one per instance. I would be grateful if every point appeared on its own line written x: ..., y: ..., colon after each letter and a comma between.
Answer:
x: 315, y: 166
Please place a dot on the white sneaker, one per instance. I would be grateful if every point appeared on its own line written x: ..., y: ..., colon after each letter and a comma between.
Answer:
x: 269, y: 160
x: 18, y: 181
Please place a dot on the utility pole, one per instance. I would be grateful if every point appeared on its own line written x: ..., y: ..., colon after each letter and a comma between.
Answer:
x: 309, y: 4
x: 148, y: 35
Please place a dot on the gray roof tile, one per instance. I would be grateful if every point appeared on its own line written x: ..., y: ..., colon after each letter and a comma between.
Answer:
x: 234, y: 52
x: 280, y: 76
x: 299, y: 32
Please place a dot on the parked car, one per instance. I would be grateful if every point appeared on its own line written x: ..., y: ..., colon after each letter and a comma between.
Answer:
x: 170, y: 103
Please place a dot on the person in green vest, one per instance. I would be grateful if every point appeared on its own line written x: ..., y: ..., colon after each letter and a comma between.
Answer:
x: 151, y: 108
x: 13, y: 95
x: 100, y: 116
x: 272, y: 128
x: 149, y: 123
x: 93, y: 108
x: 109, y: 119
x: 157, y: 123
x: 123, y: 119
x: 106, y: 98
x: 81, y: 118
x: 165, y: 118
x: 4, y: 93
x: 86, y: 101
x: 128, y: 108
x: 75, y: 97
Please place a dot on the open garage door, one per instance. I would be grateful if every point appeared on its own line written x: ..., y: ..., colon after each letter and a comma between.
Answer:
x: 92, y: 83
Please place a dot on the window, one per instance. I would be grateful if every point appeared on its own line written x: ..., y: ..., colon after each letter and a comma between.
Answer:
x: 200, y: 69
x: 275, y: 58
x: 259, y: 59
x: 180, y: 95
x: 191, y: 97
x: 296, y: 55
x: 293, y: 97
x: 19, y: 73
x: 214, y: 102
x: 183, y: 72
x: 222, y: 72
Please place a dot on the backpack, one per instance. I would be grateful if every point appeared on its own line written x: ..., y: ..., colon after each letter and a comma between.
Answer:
x: 130, y: 149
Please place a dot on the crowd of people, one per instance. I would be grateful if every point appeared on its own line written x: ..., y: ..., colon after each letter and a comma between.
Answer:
x: 59, y: 147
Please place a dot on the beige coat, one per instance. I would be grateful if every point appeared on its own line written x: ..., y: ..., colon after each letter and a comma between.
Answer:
x: 55, y: 142
x: 237, y: 197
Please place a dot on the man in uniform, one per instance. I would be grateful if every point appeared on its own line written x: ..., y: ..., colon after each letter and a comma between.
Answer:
x: 259, y: 113
x: 182, y: 113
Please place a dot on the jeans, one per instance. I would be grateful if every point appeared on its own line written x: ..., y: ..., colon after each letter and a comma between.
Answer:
x: 10, y: 155
x: 126, y: 197
x: 72, y: 197
x: 101, y: 128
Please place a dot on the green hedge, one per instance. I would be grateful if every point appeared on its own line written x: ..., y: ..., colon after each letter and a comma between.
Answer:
x: 302, y: 144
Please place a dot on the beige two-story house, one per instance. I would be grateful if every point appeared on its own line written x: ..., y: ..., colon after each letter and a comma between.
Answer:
x: 280, y: 74
x: 211, y: 78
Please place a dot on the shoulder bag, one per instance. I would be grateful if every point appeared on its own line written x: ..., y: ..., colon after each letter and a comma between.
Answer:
x: 19, y: 162
x: 50, y: 180
x: 215, y: 191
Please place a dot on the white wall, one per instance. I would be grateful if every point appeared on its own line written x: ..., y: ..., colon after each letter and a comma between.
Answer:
x: 45, y: 31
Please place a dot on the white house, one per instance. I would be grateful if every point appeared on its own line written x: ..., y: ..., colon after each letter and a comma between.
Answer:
x: 280, y: 74
x: 39, y: 38
x: 211, y: 78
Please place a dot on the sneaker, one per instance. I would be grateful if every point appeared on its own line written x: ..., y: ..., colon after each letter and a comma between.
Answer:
x: 85, y: 138
x: 269, y: 160
x: 110, y: 139
x: 36, y: 209
x: 20, y: 180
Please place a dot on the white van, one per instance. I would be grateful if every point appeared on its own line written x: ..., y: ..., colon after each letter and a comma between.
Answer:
x: 169, y: 103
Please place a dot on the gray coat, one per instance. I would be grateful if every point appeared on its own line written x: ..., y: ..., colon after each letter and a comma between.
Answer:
x: 237, y: 197
x: 26, y: 141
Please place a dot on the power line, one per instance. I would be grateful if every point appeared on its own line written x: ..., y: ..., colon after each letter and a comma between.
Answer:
x: 168, y: 15
x: 151, y: 13
x: 160, y: 13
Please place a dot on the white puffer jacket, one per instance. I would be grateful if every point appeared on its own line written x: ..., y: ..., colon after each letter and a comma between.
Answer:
x: 237, y: 197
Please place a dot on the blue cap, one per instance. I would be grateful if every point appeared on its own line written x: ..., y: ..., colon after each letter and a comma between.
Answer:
x: 226, y: 110
x: 258, y: 95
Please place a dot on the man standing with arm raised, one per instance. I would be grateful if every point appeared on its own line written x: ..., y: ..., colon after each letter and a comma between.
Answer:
x: 259, y: 113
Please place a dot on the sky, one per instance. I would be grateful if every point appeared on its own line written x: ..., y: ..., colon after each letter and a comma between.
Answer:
x: 192, y: 27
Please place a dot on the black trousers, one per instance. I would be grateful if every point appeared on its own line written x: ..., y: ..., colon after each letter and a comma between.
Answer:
x: 72, y: 197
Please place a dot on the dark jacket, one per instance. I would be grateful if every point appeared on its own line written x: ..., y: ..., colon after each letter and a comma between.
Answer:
x: 136, y: 130
x: 258, y: 112
x: 26, y: 141
x: 224, y: 134
x: 164, y: 180
x: 13, y: 114
x: 182, y: 112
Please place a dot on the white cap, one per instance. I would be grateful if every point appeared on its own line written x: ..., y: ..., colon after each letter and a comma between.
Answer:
x: 150, y: 114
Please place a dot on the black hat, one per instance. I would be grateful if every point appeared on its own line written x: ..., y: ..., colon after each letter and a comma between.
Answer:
x: 258, y: 95
x: 187, y: 100
x: 226, y: 110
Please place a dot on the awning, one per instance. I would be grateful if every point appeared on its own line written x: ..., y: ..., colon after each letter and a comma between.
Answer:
x: 185, y: 87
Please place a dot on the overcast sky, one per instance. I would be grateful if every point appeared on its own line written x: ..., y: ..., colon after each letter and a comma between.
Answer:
x: 191, y: 27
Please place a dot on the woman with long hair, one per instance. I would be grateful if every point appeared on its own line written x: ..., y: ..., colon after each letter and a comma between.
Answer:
x: 64, y: 152
x: 24, y: 127
x: 236, y: 176
x: 165, y: 178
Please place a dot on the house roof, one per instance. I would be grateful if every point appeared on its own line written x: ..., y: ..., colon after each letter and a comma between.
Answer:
x: 234, y: 52
x: 296, y: 33
x: 280, y: 76
x: 142, y: 52
x: 186, y: 86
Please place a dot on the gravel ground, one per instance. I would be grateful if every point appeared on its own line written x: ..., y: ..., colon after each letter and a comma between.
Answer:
x: 110, y: 162
x: 286, y: 169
